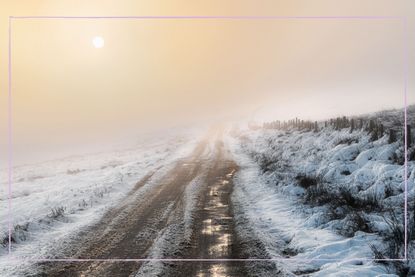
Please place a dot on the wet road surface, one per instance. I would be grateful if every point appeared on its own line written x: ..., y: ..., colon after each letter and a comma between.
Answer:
x: 153, y: 219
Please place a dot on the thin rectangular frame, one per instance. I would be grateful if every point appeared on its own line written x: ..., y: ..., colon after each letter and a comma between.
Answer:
x: 403, y: 19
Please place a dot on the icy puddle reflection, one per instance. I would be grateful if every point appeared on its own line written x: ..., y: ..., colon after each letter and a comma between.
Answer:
x: 216, y: 228
x: 223, y: 239
x: 215, y: 270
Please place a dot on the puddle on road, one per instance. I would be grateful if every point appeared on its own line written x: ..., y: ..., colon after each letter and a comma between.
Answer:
x: 216, y: 228
x: 216, y: 270
x: 222, y: 246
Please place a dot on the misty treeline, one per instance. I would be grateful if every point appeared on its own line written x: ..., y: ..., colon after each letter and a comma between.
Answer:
x: 375, y: 127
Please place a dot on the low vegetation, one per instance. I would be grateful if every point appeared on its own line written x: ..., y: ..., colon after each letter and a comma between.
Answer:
x: 351, y: 167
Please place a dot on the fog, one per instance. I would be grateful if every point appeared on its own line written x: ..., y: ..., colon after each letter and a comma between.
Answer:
x: 158, y: 74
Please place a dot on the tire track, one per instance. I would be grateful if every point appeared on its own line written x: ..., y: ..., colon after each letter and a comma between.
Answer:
x: 128, y: 231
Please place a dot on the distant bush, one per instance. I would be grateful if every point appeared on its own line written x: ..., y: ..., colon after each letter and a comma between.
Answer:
x: 392, y: 136
x: 57, y: 212
x: 347, y: 141
x: 73, y: 171
x: 34, y: 177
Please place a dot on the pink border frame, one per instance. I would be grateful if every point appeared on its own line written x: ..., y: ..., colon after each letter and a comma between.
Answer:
x: 10, y: 137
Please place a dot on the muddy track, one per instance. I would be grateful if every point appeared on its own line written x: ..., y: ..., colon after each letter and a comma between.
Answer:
x: 215, y: 238
x: 156, y: 216
x: 128, y: 231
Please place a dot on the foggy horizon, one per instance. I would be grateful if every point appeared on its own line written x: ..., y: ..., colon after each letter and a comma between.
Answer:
x: 130, y: 140
x: 155, y: 74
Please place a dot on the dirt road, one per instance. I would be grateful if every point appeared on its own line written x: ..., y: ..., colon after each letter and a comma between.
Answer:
x: 184, y: 214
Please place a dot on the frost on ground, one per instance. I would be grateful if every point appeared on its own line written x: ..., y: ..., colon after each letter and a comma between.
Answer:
x: 329, y: 193
x: 176, y: 236
x: 53, y: 200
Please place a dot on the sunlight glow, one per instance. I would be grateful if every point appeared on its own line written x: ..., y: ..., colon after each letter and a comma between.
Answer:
x: 98, y: 42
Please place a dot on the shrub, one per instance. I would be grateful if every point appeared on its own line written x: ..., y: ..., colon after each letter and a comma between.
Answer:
x: 400, y: 268
x: 388, y: 191
x: 306, y: 181
x: 318, y: 195
x: 395, y: 235
x: 19, y: 234
x: 345, y: 172
x: 353, y: 222
x: 73, y: 171
x: 392, y: 136
x: 411, y: 154
x: 346, y: 198
x: 347, y: 141
x: 371, y: 202
x: 265, y: 163
x: 57, y: 212
x: 394, y: 239
x: 368, y: 203
x: 378, y: 254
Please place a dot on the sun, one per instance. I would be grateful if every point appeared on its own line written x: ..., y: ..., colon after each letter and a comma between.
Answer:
x: 98, y: 42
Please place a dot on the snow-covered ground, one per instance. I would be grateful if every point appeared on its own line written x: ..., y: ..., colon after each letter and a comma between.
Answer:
x: 322, y: 202
x: 280, y: 187
x: 54, y: 199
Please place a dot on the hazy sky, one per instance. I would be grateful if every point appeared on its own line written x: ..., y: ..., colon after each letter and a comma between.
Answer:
x: 164, y: 72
